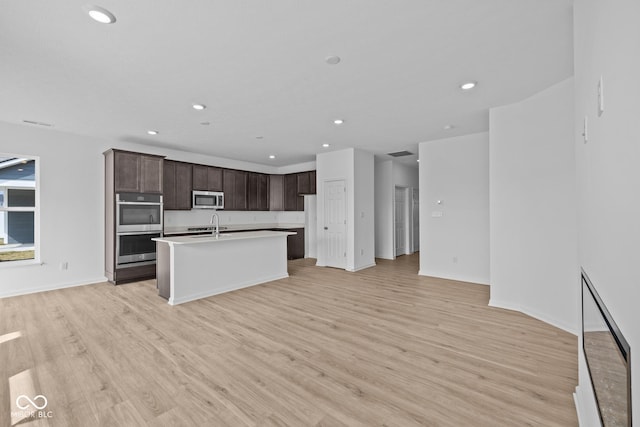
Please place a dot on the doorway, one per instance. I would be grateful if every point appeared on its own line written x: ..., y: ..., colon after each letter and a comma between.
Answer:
x: 401, y: 221
x: 335, y: 223
x: 415, y: 213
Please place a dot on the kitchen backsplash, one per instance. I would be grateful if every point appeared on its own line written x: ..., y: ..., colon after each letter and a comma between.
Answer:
x: 203, y: 216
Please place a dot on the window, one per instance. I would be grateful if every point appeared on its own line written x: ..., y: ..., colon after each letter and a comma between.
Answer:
x: 18, y: 209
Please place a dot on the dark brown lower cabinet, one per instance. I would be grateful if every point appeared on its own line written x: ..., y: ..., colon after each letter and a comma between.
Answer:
x: 295, y: 244
x: 132, y: 274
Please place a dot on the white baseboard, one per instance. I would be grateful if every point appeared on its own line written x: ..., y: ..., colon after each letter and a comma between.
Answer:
x: 544, y: 317
x: 586, y: 417
x: 53, y: 287
x: 459, y: 278
x: 362, y: 267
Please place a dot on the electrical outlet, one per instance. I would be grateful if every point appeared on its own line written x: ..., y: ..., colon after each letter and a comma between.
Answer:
x: 455, y: 259
x: 64, y: 265
x: 585, y: 132
x: 361, y: 251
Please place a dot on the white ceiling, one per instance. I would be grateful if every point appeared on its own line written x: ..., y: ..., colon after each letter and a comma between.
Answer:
x: 259, y: 67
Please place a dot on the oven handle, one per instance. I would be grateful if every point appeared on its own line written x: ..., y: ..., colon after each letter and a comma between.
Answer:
x: 139, y: 203
x: 131, y: 233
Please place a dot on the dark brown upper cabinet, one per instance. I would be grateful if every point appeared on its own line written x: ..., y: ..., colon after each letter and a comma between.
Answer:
x: 178, y: 178
x: 257, y: 191
x: 303, y: 188
x: 312, y: 182
x: 207, y: 178
x: 291, y: 192
x: 235, y: 189
x: 137, y: 173
x: 276, y: 192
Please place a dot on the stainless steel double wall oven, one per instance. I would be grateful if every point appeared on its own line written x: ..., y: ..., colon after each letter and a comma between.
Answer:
x: 138, y: 220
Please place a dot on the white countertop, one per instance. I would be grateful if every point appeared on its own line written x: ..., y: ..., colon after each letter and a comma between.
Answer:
x: 223, y: 237
x: 230, y: 227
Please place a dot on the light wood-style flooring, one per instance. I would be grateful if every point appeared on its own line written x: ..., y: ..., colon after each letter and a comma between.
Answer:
x: 324, y: 347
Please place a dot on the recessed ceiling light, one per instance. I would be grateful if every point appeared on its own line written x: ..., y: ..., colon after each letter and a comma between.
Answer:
x: 199, y: 106
x: 468, y: 85
x: 338, y: 121
x: 259, y: 137
x: 325, y: 145
x: 332, y: 60
x: 152, y: 132
x: 100, y: 14
x: 205, y: 123
x: 272, y: 156
x: 448, y: 127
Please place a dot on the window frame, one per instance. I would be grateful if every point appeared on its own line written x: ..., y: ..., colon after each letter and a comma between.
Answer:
x: 36, y: 260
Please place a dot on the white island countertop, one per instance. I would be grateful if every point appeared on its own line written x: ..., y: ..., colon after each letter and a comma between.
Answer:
x: 225, y: 228
x: 193, y: 267
x: 222, y: 237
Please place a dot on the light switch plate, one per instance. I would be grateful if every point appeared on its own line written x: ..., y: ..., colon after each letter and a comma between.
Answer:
x: 436, y: 214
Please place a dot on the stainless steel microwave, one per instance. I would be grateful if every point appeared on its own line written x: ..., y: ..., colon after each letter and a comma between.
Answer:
x: 207, y: 200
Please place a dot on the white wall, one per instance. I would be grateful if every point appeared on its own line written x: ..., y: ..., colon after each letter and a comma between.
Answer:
x: 606, y: 38
x: 72, y: 206
x: 455, y: 245
x: 364, y: 211
x: 383, y: 181
x: 356, y: 168
x: 534, y: 264
x: 71, y: 210
x: 311, y: 226
x: 388, y: 175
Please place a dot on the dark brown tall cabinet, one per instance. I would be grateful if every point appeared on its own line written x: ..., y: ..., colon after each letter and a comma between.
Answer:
x: 127, y: 172
x: 177, y: 181
x: 136, y: 173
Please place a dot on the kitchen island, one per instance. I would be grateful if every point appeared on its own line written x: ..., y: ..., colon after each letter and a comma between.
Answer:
x: 194, y: 267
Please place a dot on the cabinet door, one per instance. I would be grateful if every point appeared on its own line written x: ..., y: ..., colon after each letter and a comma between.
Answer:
x: 184, y: 179
x: 276, y: 192
x: 303, y: 188
x: 312, y: 182
x: 200, y: 177
x: 169, y: 184
x: 295, y: 244
x: 214, y: 179
x: 229, y: 185
x: 150, y: 174
x: 240, y: 190
x: 263, y: 192
x: 127, y: 172
x: 252, y: 191
x: 291, y: 192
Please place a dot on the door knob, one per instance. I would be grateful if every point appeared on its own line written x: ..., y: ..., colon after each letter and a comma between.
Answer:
x: 326, y: 228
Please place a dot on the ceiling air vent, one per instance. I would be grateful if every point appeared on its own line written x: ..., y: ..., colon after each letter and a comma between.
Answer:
x: 400, y: 154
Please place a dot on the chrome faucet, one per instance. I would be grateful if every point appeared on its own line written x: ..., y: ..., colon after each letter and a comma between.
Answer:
x: 216, y: 227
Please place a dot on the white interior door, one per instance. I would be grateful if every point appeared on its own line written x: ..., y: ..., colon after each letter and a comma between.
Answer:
x: 400, y: 221
x: 335, y: 226
x: 416, y: 220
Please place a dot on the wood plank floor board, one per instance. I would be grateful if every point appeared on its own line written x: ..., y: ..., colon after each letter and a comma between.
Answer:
x: 323, y: 347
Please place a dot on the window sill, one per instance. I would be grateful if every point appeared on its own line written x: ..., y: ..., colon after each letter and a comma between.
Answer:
x: 22, y: 263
